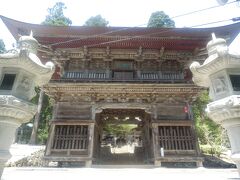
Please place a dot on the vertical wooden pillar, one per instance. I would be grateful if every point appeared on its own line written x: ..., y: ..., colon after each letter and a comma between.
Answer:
x: 156, y: 149
x: 97, y: 141
x: 90, y: 144
x: 159, y: 69
x: 138, y: 69
x: 147, y: 143
x: 50, y: 140
x: 190, y: 112
x: 108, y: 69
x: 86, y: 67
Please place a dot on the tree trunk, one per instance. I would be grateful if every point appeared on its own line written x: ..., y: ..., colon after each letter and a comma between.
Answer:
x: 33, y: 138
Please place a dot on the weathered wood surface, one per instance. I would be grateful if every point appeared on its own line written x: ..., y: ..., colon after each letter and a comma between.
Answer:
x: 176, y: 138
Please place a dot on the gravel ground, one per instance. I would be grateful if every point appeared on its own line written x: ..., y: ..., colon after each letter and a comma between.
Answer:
x: 19, y: 151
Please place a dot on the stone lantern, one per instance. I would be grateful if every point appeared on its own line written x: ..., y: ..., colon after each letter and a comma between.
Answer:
x: 221, y: 73
x: 20, y: 71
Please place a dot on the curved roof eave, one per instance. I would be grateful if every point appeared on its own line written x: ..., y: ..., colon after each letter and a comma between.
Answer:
x: 18, y: 28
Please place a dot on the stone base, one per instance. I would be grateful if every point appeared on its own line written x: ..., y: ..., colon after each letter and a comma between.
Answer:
x: 157, y: 163
x: 236, y: 159
x: 238, y: 167
x: 88, y: 164
x: 178, y: 159
x: 2, y: 164
x: 4, y: 156
x: 7, y: 133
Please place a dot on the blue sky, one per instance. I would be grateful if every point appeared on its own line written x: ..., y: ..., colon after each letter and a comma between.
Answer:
x: 118, y: 13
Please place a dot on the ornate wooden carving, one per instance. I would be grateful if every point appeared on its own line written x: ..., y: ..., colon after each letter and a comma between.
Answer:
x: 76, y: 65
x: 97, y: 64
x: 170, y: 66
x: 122, y: 116
x: 149, y: 65
x: 73, y: 111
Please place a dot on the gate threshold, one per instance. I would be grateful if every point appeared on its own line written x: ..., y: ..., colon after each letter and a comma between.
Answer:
x: 144, y: 166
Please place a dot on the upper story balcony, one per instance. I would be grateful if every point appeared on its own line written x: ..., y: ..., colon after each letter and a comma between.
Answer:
x: 125, y: 76
x: 148, y: 71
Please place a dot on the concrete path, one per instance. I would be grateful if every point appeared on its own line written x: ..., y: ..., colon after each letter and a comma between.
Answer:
x: 117, y: 174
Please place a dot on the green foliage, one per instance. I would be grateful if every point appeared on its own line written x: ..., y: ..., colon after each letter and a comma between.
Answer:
x: 24, y: 132
x: 119, y: 129
x: 2, y: 46
x: 160, y: 19
x: 45, y: 117
x: 209, y: 133
x: 42, y: 135
x: 212, y: 150
x: 97, y: 21
x: 56, y: 16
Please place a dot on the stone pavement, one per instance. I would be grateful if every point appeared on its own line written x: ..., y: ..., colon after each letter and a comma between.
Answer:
x: 117, y: 173
x: 122, y: 172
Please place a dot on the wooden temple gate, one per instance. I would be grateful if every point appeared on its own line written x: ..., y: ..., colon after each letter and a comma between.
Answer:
x: 171, y: 140
x: 107, y: 70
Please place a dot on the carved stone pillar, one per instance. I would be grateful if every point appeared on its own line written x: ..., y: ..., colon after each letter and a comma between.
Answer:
x: 233, y: 131
x: 227, y: 113
x: 13, y: 112
x: 9, y: 130
x: 220, y: 72
x: 21, y: 72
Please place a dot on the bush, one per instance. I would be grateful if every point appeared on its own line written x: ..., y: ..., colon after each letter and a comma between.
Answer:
x: 212, y: 137
x: 42, y: 136
x: 212, y: 150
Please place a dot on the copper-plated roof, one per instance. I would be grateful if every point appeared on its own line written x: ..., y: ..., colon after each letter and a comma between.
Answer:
x: 121, y: 37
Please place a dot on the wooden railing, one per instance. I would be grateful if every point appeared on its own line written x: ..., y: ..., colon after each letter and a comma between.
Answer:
x: 144, y: 76
x: 163, y: 75
x: 84, y: 75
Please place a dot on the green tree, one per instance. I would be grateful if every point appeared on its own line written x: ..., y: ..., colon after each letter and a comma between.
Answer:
x: 119, y: 129
x: 56, y: 16
x: 210, y: 135
x: 160, y: 19
x: 44, y: 112
x: 2, y: 46
x: 96, y: 21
